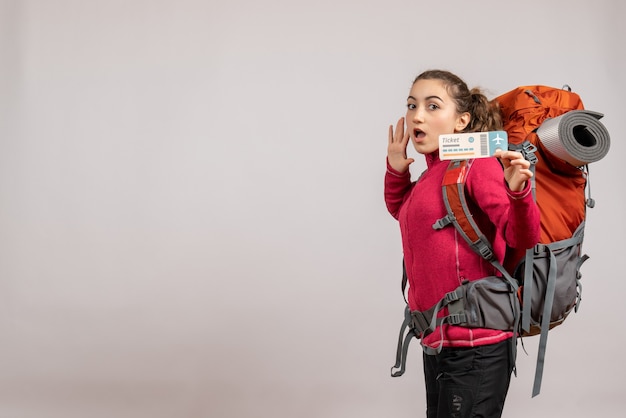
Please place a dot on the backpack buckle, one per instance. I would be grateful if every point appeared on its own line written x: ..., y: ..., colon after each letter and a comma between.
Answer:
x: 443, y: 222
x: 452, y: 296
x: 485, y: 250
x: 457, y: 318
x: 528, y: 151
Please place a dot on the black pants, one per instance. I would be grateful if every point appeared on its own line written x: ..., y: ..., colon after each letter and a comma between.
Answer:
x: 468, y: 382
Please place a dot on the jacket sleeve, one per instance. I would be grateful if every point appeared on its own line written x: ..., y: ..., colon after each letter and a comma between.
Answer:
x: 515, y: 214
x: 397, y: 187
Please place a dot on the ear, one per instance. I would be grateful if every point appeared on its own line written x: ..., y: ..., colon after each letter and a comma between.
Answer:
x: 462, y: 121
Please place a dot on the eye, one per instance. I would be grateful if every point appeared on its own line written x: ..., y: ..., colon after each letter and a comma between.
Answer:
x: 411, y: 106
x: 433, y: 106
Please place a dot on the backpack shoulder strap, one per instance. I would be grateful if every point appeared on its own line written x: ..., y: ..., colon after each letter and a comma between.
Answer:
x: 459, y: 215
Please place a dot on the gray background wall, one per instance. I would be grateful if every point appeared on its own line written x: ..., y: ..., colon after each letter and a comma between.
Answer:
x: 191, y: 211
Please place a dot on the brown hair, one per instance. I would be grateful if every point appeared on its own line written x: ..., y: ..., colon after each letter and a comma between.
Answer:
x: 484, y: 114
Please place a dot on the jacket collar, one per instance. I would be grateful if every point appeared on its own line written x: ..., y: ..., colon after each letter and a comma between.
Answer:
x: 432, y: 158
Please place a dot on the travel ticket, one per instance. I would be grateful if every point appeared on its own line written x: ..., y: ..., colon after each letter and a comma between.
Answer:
x: 462, y: 146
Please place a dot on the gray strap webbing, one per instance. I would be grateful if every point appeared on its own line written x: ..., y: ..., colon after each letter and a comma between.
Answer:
x: 579, y: 284
x: 545, y: 324
x: 414, y: 326
x: 528, y: 288
x: 576, y: 238
x: 403, y: 345
x: 419, y: 323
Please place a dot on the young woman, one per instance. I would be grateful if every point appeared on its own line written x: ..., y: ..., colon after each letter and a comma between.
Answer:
x: 470, y: 376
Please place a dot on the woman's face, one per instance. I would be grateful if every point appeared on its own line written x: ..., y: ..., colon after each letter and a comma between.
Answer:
x: 431, y: 112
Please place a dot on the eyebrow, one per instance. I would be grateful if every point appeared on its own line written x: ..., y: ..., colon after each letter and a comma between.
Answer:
x: 427, y: 98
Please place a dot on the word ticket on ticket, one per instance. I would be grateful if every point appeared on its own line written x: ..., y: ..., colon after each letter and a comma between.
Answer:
x: 462, y: 146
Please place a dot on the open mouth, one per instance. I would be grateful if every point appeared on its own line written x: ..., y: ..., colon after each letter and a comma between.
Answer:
x: 418, y: 134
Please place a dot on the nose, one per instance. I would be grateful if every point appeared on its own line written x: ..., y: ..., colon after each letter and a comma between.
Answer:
x: 418, y: 115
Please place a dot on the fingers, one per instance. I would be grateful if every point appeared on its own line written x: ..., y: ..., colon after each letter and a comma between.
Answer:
x: 397, y: 147
x: 512, y: 158
x: 398, y: 134
x: 510, y: 155
x: 400, y: 129
x: 521, y: 162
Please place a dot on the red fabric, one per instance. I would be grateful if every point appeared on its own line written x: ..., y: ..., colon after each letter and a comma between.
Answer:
x: 521, y: 113
x: 437, y: 261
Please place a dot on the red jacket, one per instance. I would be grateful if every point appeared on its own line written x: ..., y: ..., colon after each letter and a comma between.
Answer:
x: 437, y: 261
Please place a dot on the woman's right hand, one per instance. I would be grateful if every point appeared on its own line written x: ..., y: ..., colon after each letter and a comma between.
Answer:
x: 396, y: 149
